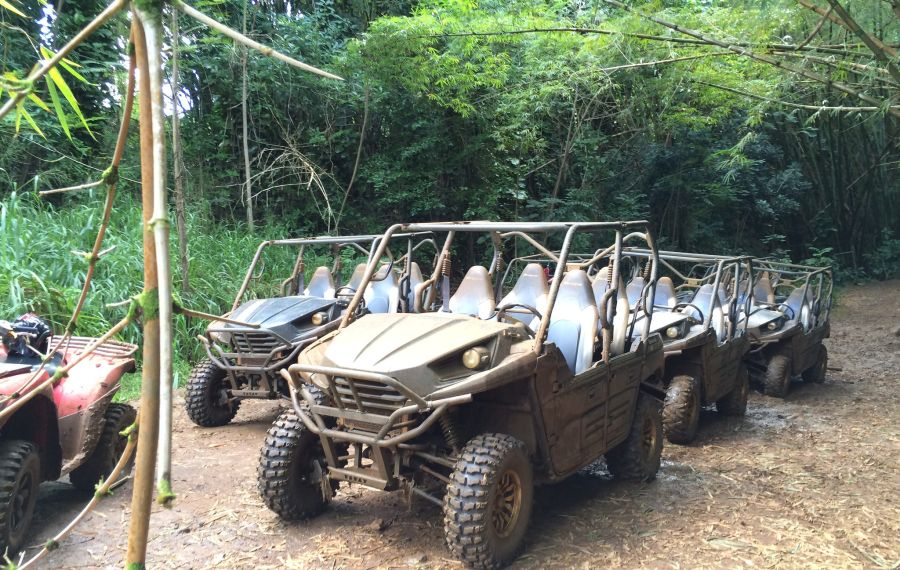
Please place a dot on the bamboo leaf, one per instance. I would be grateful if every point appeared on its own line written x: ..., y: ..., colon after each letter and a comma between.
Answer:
x: 66, y: 63
x: 57, y: 106
x: 24, y: 113
x: 12, y: 8
x: 37, y: 101
x: 57, y: 78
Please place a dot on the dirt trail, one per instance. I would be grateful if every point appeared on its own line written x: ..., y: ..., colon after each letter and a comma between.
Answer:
x: 813, y: 481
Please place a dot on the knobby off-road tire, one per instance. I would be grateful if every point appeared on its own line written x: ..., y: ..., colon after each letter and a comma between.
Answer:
x: 110, y: 447
x: 637, y: 458
x: 734, y: 403
x: 203, y: 393
x: 488, y: 502
x: 290, y: 461
x: 777, y: 382
x: 816, y: 372
x: 681, y: 410
x: 20, y: 475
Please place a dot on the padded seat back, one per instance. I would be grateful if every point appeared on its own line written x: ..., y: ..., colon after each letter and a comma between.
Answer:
x: 357, y: 276
x: 665, y: 293
x: 573, y: 324
x: 799, y: 307
x: 475, y: 295
x: 633, y: 290
x: 415, y: 279
x: 620, y: 321
x: 710, y: 306
x: 321, y: 284
x: 383, y: 295
x: 531, y: 289
x: 763, y: 291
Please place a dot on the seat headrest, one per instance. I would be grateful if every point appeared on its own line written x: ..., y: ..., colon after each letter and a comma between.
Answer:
x: 321, y: 284
x: 475, y: 295
x: 573, y: 324
x: 763, y: 291
x: 382, y: 295
x: 531, y: 289
x: 574, y: 293
x: 415, y: 272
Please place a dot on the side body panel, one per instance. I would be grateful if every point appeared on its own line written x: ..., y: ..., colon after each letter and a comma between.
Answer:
x: 805, y: 348
x: 720, y: 367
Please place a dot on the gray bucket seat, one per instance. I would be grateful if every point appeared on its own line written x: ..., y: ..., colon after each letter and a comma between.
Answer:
x: 573, y: 324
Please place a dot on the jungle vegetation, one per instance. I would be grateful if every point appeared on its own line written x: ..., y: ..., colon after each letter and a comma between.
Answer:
x: 767, y: 127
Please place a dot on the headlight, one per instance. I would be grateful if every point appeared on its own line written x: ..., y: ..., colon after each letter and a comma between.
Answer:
x: 475, y: 358
x: 221, y: 337
x: 673, y: 332
x: 319, y: 318
x: 775, y: 325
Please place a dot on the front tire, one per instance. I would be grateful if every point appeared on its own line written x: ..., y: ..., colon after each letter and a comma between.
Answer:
x: 100, y: 464
x: 638, y: 457
x: 734, y: 403
x: 206, y: 396
x: 816, y: 372
x: 20, y: 475
x: 681, y: 411
x: 488, y: 502
x: 777, y: 382
x: 292, y: 472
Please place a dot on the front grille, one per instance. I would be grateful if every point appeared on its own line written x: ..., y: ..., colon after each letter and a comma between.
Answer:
x: 255, y: 343
x: 368, y: 396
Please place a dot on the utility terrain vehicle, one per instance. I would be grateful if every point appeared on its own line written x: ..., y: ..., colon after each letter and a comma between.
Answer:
x: 703, y: 322
x: 471, y: 402
x: 261, y: 336
x: 68, y: 428
x: 788, y: 321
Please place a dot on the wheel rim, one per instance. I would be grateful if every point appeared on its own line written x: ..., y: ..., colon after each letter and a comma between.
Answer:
x: 507, y: 503
x: 21, y: 500
x: 648, y: 437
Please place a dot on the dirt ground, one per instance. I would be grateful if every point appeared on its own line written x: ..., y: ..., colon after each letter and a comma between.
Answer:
x: 813, y: 481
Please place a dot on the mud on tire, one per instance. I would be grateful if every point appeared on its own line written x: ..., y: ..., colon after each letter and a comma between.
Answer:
x: 638, y: 457
x: 20, y: 475
x: 202, y: 395
x: 110, y: 447
x: 734, y: 403
x: 681, y: 410
x: 489, y: 499
x: 777, y: 381
x: 290, y: 462
x: 816, y: 372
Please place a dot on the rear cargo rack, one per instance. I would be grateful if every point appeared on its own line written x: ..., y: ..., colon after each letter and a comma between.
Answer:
x: 108, y: 349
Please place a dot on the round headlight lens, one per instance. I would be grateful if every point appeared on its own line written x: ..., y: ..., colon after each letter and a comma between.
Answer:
x: 475, y: 357
x: 672, y: 332
x: 772, y: 325
x: 319, y: 318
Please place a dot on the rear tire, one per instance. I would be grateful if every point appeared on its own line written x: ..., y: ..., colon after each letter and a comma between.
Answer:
x: 681, y: 411
x: 98, y: 466
x: 204, y: 400
x: 488, y: 502
x: 777, y: 382
x: 637, y: 458
x: 20, y: 475
x: 734, y: 403
x: 816, y: 372
x: 291, y: 470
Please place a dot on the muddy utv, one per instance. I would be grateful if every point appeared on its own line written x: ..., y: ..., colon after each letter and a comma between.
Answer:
x: 72, y: 427
x: 275, y: 314
x: 789, y: 319
x: 702, y: 318
x: 470, y: 402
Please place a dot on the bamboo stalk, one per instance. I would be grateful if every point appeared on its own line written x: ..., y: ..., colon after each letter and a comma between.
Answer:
x: 244, y: 40
x: 85, y: 186
x: 159, y: 225
x: 49, y: 64
x: 142, y: 494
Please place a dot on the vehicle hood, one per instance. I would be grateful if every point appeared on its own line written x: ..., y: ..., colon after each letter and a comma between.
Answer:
x: 284, y: 316
x: 423, y: 351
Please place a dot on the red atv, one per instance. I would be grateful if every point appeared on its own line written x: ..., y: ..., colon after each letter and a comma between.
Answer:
x: 69, y: 428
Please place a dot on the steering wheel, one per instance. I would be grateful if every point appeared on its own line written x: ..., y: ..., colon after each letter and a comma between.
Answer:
x: 501, y: 313
x: 344, y: 294
x: 691, y: 305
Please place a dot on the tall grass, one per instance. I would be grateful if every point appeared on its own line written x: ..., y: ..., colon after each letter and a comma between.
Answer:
x: 39, y: 272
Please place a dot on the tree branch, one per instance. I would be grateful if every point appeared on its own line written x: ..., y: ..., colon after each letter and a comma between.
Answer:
x: 788, y: 103
x: 882, y: 52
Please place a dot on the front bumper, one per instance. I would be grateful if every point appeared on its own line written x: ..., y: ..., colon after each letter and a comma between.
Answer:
x: 259, y: 351
x: 373, y: 409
